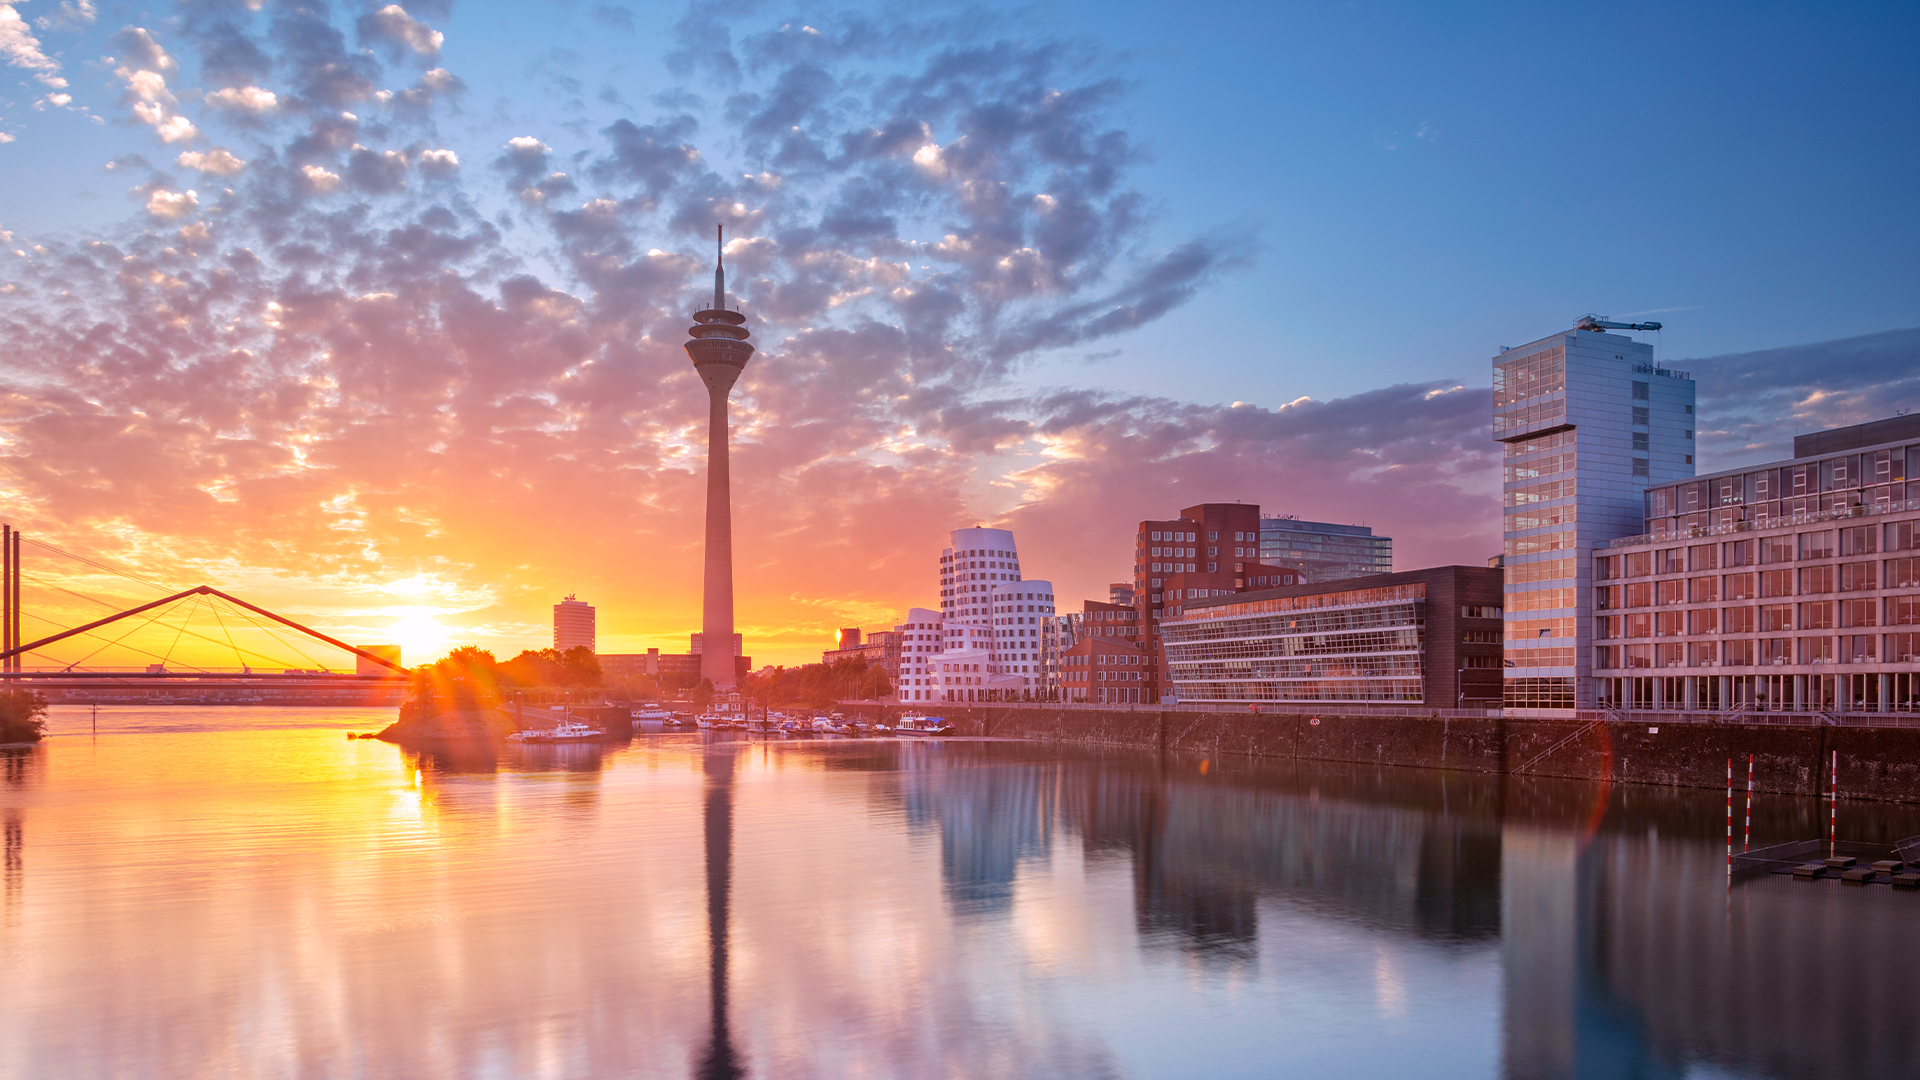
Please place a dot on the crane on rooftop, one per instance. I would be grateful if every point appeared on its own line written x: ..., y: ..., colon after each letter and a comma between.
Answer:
x: 1596, y: 324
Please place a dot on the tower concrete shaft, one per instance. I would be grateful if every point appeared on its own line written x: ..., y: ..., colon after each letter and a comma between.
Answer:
x: 719, y: 351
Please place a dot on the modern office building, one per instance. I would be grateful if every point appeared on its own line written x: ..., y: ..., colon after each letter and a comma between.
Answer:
x: 1791, y: 586
x: 1322, y: 551
x: 1423, y: 637
x: 1209, y: 549
x: 572, y: 624
x: 1589, y: 422
x: 993, y: 645
x: 719, y: 351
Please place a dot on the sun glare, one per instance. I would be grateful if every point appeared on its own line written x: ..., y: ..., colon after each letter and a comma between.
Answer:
x: 421, y: 637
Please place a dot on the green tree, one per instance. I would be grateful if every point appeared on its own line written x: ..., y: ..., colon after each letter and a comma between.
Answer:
x: 703, y: 694
x: 22, y: 716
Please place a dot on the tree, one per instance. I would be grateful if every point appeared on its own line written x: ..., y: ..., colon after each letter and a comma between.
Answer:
x: 22, y: 716
x: 703, y: 694
x: 468, y: 678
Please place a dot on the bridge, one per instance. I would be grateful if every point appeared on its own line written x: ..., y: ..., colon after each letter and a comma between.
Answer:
x: 255, y: 677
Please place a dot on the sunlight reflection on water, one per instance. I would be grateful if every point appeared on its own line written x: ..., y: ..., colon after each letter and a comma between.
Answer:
x: 244, y: 892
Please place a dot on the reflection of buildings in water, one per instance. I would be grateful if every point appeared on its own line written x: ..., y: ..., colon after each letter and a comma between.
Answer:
x: 1204, y: 852
x: 16, y: 837
x: 991, y: 818
x: 719, y: 1060
x: 19, y: 769
x: 1632, y: 958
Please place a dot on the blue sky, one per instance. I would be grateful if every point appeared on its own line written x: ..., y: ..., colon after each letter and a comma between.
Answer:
x: 373, y: 293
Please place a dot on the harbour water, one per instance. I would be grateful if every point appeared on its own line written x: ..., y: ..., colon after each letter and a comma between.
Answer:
x: 246, y: 893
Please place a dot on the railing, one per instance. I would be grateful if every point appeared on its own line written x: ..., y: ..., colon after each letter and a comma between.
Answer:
x: 1891, y: 506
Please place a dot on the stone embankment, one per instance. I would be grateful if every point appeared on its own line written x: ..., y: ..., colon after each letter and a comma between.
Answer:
x: 1874, y: 763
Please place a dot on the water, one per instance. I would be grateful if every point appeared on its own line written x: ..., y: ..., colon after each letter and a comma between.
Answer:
x: 246, y: 893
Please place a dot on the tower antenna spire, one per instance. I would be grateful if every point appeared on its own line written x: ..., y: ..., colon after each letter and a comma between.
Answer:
x: 719, y: 269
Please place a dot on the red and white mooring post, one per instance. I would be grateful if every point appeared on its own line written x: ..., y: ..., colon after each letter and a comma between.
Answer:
x: 1746, y: 835
x: 1833, y: 808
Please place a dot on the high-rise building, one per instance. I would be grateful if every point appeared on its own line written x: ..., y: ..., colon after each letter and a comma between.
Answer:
x: 1588, y: 421
x: 572, y: 624
x: 1210, y: 549
x: 992, y: 620
x: 1322, y: 551
x: 1792, y: 586
x: 719, y: 351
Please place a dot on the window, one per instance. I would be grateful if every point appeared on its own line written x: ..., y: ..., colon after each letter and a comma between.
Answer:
x: 1899, y: 536
x: 1739, y: 587
x: 1703, y: 590
x: 1641, y: 442
x: 1638, y: 563
x: 1816, y: 579
x: 1641, y: 467
x: 1640, y: 391
x: 1668, y: 561
x: 1736, y: 653
x: 1816, y: 650
x: 1817, y: 545
x: 1640, y: 416
x: 1672, y: 591
x: 1858, y: 613
x: 1776, y: 583
x: 1859, y: 576
x: 1737, y: 620
x: 1705, y: 557
x: 1818, y: 615
x: 1776, y: 617
x: 1739, y: 553
x: 1703, y: 621
x: 1859, y: 540
x: 1776, y: 549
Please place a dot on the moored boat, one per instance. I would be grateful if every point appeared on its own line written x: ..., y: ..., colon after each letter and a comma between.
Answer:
x: 568, y: 731
x: 915, y: 724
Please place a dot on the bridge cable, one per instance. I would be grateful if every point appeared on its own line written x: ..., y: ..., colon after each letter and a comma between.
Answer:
x: 95, y: 564
x: 222, y: 623
x: 110, y: 644
x: 274, y: 631
x: 195, y: 604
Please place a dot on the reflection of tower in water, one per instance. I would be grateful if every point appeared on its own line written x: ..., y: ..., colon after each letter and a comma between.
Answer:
x: 718, y: 1061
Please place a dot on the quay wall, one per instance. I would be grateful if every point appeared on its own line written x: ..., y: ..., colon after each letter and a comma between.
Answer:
x: 1874, y: 763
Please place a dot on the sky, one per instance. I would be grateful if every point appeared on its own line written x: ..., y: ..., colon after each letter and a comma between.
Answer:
x: 372, y: 314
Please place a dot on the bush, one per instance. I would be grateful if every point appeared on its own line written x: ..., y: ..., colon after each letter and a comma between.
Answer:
x: 22, y: 716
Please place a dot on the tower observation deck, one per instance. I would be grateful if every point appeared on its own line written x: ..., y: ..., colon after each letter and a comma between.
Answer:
x: 719, y: 350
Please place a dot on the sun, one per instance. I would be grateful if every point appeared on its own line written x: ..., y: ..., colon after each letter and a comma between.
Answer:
x: 421, y: 637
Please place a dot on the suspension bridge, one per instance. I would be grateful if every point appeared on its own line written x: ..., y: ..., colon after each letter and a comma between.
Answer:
x: 174, y: 641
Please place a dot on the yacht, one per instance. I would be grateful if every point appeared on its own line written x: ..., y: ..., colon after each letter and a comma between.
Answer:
x: 652, y: 712
x: 568, y: 731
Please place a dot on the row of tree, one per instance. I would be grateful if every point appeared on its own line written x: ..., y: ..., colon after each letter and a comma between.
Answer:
x: 471, y: 678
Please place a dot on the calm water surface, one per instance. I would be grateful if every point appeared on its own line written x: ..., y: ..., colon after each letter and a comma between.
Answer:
x: 246, y: 893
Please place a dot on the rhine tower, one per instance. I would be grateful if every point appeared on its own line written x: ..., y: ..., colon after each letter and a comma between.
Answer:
x: 719, y: 350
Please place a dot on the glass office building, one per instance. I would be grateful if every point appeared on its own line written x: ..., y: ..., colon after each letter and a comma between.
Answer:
x: 1322, y: 551
x: 1588, y: 422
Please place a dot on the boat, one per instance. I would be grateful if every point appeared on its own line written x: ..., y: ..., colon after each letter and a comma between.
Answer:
x: 829, y: 725
x: 710, y: 721
x: 652, y: 712
x: 915, y: 724
x: 568, y: 731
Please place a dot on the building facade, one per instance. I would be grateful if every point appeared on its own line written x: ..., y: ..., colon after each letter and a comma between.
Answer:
x: 572, y: 624
x: 918, y: 642
x: 1322, y: 551
x: 993, y: 621
x: 1588, y: 422
x: 1208, y: 549
x: 1103, y: 671
x: 1792, y: 586
x: 1424, y: 637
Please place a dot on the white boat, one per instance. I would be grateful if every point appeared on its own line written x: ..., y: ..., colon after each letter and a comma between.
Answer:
x: 568, y: 731
x: 915, y: 724
x: 652, y: 712
x: 828, y: 725
x: 710, y: 721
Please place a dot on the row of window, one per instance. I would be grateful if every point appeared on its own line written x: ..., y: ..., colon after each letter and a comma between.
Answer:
x: 1764, y: 618
x: 1863, y: 576
x: 1762, y: 652
x: 1764, y: 550
x: 1849, y: 471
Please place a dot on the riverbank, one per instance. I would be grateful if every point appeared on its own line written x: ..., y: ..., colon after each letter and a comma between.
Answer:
x: 1880, y: 764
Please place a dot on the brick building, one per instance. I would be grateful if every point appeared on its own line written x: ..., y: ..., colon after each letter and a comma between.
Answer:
x: 1209, y: 550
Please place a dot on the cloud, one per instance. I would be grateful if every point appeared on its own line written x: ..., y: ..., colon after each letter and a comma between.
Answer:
x: 215, y: 162
x: 145, y: 69
x: 613, y: 17
x: 172, y: 204
x: 68, y: 16
x: 1752, y: 404
x: 22, y: 50
x: 399, y: 32
x: 246, y: 99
